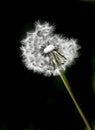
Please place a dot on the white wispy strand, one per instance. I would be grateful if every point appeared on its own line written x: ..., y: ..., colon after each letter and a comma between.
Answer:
x: 40, y: 45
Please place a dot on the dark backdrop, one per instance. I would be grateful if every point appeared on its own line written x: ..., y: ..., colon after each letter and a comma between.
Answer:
x: 30, y: 100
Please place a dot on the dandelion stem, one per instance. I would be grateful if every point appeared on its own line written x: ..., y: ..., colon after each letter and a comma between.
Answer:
x: 68, y: 87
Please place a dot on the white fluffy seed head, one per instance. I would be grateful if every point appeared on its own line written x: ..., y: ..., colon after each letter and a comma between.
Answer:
x: 38, y: 46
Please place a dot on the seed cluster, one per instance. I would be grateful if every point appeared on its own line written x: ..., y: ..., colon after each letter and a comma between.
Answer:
x: 41, y: 46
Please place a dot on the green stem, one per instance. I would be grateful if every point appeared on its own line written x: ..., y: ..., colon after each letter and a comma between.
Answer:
x: 68, y: 87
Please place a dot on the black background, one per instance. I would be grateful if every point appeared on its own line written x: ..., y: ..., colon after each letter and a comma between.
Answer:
x: 30, y: 100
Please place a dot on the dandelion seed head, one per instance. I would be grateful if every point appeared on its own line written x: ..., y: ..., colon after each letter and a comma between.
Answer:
x: 41, y: 46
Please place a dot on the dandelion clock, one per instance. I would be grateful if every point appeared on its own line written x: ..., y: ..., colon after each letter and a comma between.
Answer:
x: 49, y: 54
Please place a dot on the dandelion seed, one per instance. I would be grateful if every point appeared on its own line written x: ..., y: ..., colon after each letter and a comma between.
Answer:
x: 39, y: 47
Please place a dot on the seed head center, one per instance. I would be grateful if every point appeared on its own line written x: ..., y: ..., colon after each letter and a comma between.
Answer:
x: 49, y: 49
